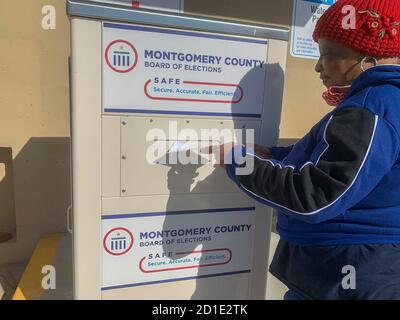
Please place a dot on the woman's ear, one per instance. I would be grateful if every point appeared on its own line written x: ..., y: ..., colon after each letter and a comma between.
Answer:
x: 368, y: 62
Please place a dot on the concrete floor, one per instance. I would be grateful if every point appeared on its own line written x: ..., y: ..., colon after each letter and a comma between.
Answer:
x: 10, y: 275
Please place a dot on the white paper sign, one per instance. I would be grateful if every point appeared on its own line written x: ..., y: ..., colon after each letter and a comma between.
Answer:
x: 169, y: 71
x: 149, y: 248
x: 305, y: 16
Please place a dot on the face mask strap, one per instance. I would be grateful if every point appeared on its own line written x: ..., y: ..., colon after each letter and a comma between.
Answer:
x: 341, y: 87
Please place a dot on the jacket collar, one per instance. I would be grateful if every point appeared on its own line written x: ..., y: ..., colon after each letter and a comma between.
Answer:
x: 378, y: 75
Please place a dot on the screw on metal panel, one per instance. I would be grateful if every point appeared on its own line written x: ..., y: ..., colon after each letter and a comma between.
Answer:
x: 151, y: 120
x: 123, y: 123
x: 123, y: 157
x: 221, y: 122
x: 123, y: 190
x: 187, y: 121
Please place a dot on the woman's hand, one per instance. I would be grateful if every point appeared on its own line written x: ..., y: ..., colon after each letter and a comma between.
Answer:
x: 224, y: 149
x: 259, y: 150
x: 262, y: 152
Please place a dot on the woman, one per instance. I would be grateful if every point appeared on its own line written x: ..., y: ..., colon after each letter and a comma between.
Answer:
x: 337, y: 190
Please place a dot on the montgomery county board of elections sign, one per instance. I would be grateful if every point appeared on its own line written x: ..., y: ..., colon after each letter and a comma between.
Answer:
x: 305, y: 16
x: 169, y: 71
x: 156, y: 247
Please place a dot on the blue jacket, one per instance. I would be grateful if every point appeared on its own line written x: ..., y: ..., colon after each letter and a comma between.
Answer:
x: 340, y: 184
x: 337, y: 192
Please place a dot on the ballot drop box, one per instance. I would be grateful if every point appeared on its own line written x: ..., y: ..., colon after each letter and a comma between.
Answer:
x: 148, y: 86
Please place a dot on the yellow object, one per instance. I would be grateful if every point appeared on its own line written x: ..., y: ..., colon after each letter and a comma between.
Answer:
x: 30, y: 285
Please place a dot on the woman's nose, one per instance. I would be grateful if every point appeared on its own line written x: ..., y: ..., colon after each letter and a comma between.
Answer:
x: 318, y: 67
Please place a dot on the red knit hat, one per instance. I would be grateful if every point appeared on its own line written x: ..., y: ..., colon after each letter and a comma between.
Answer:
x: 377, y: 27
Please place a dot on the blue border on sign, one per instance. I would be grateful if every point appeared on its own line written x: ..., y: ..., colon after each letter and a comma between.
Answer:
x: 173, y: 280
x: 182, y: 33
x: 165, y: 213
x: 326, y: 2
x: 192, y: 113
